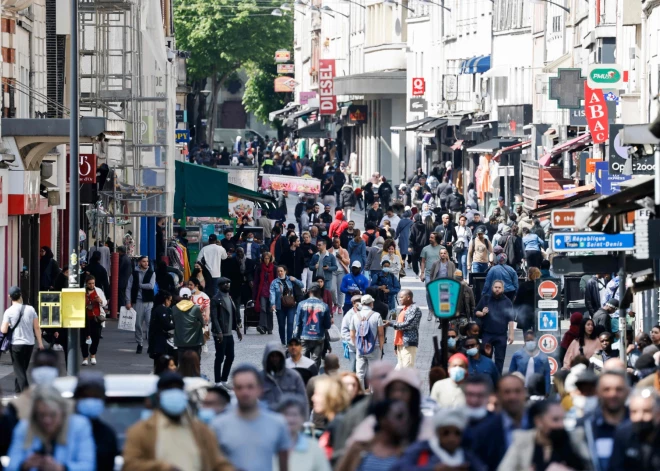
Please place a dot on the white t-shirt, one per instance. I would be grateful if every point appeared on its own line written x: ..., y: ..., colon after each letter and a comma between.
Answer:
x: 24, y: 331
x: 202, y: 300
x: 213, y: 255
x: 304, y: 362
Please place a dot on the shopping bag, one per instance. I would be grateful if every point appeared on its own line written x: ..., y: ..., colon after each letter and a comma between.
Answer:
x: 127, y: 319
x: 334, y: 334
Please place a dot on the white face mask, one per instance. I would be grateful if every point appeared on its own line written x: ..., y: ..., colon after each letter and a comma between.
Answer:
x: 530, y: 346
x: 44, y: 375
x: 477, y: 413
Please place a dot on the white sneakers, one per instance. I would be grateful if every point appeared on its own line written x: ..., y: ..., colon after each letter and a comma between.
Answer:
x: 93, y: 361
x: 85, y: 362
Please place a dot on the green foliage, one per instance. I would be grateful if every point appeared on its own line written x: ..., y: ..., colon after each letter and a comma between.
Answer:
x: 260, y: 97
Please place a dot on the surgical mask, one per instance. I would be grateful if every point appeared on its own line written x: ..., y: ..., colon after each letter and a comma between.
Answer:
x: 146, y: 414
x: 324, y: 233
x: 451, y: 342
x: 530, y: 346
x: 477, y: 413
x: 643, y: 428
x: 250, y: 239
x: 91, y: 407
x: 471, y: 352
x: 457, y: 373
x: 44, y: 375
x: 206, y: 415
x: 283, y: 277
x: 173, y: 401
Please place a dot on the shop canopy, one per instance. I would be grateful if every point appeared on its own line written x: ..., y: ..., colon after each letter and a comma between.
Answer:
x: 262, y: 200
x: 432, y: 125
x: 476, y: 65
x: 512, y: 149
x: 200, y: 191
x: 412, y: 125
x: 574, y: 144
x: 313, y: 130
x: 491, y: 145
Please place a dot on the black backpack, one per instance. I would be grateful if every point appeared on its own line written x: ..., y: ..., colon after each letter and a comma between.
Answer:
x: 509, y: 247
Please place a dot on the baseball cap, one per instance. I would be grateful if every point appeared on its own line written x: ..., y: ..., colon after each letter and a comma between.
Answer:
x: 501, y: 198
x: 613, y: 303
x: 15, y: 290
x: 213, y: 238
x: 185, y: 292
x: 223, y: 280
x: 367, y: 299
x: 480, y: 230
x: 294, y: 341
x: 356, y: 264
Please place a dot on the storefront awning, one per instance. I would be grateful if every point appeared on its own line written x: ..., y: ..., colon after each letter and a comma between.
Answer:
x: 412, y: 125
x: 574, y: 144
x: 262, y: 200
x: 514, y: 148
x: 456, y: 119
x: 432, y: 125
x: 491, y: 146
x: 476, y: 65
x: 303, y: 113
x: 387, y: 82
x: 479, y: 126
x: 200, y: 191
x: 312, y: 130
x: 563, y: 194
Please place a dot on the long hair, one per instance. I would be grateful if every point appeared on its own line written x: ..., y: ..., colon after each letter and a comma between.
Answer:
x: 583, y: 331
x: 358, y: 236
x: 189, y: 366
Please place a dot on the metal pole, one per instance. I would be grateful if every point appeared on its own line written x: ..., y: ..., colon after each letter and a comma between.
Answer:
x: 656, y: 185
x: 74, y: 187
x: 623, y: 325
x: 444, y: 354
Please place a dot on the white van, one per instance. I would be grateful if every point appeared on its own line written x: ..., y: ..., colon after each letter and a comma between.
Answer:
x: 226, y: 137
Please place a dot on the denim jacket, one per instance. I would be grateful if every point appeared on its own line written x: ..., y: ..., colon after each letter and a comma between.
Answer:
x: 312, y: 320
x: 277, y: 288
x: 328, y: 261
x: 519, y: 362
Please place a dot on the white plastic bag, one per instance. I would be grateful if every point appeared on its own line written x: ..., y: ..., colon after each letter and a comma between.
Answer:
x: 127, y: 319
x: 334, y: 334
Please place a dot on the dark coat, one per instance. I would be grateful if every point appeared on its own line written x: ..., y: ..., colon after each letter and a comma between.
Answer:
x: 419, y: 234
x: 106, y: 445
x: 628, y: 454
x: 592, y: 295
x: 125, y: 272
x: 101, y: 275
x: 488, y: 441
x: 420, y: 457
x: 160, y: 326
x: 294, y: 260
x: 220, y: 316
x: 375, y: 216
x: 456, y: 202
x: 523, y: 305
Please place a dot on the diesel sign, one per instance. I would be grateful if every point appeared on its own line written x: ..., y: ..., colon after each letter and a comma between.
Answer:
x: 327, y: 98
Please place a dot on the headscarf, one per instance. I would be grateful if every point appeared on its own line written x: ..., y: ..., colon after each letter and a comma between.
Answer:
x: 573, y: 331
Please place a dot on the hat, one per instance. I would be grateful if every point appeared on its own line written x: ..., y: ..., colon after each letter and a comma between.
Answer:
x: 185, y: 292
x: 586, y: 377
x: 613, y: 303
x: 357, y: 297
x: 14, y: 291
x: 481, y: 230
x: 169, y: 379
x: 450, y: 418
x: 294, y: 341
x: 356, y: 264
x: 367, y: 299
x: 498, y: 249
x: 213, y: 238
x: 501, y: 198
x: 458, y: 355
x: 223, y: 280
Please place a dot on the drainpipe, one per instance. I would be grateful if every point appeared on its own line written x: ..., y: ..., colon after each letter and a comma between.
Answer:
x: 644, y: 98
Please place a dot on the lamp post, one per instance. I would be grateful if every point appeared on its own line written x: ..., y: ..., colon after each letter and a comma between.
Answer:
x: 394, y: 2
x: 566, y: 9
x: 437, y: 4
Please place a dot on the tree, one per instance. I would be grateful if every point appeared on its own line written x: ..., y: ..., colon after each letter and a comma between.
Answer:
x: 224, y: 35
x: 260, y: 97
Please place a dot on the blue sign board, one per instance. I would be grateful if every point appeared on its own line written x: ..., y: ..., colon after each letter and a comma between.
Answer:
x: 182, y: 136
x: 444, y: 296
x: 592, y: 241
x: 607, y: 184
x: 548, y: 321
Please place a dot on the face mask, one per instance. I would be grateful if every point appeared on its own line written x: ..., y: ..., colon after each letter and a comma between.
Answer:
x: 250, y: 239
x: 530, y: 346
x: 457, y: 373
x: 44, y: 375
x: 451, y: 342
x: 477, y: 413
x: 206, y: 415
x: 324, y: 233
x: 146, y: 414
x: 283, y: 277
x: 643, y: 428
x: 91, y: 407
x: 173, y: 402
x: 472, y: 351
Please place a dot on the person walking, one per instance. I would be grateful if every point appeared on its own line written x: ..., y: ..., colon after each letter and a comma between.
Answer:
x: 294, y: 258
x: 21, y: 322
x: 586, y: 343
x: 125, y: 273
x: 90, y: 336
x: 416, y: 242
x: 264, y: 275
x: 406, y: 338
x: 48, y: 269
x: 337, y: 226
x: 387, y: 281
x: 479, y: 251
x: 354, y: 284
x: 225, y: 319
x: 504, y: 273
x: 323, y: 263
x: 462, y: 244
x: 188, y: 324
x: 346, y: 322
x: 278, y: 380
x: 478, y: 364
x: 347, y: 200
x: 283, y: 302
x: 368, y: 336
x: 343, y: 263
x: 443, y: 267
x: 211, y: 256
x: 465, y: 304
x: 447, y: 233
x: 313, y: 319
x: 140, y: 295
x: 161, y: 328
x: 496, y: 313
x: 357, y: 249
x: 523, y: 304
x: 532, y: 244
x: 530, y: 361
x: 428, y: 257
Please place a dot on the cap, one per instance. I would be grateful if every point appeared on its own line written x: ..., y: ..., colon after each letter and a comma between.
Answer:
x: 587, y: 377
x: 185, y: 292
x: 356, y: 264
x: 613, y: 303
x: 357, y: 298
x: 223, y: 280
x: 450, y: 418
x: 213, y: 238
x: 169, y: 379
x: 14, y: 291
x: 367, y: 299
x: 501, y: 198
x: 481, y: 230
x: 458, y: 273
x: 294, y: 341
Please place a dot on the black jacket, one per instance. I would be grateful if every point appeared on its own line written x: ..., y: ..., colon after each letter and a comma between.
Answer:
x: 106, y: 445
x: 514, y: 254
x: 345, y: 238
x: 418, y: 236
x: 160, y: 327
x: 602, y: 321
x: 456, y: 202
x: 220, y: 316
x: 375, y: 216
x: 523, y: 305
x: 101, y: 275
x: 385, y: 191
x: 347, y: 198
x: 300, y: 207
x: 592, y: 295
x: 631, y: 452
x: 294, y: 260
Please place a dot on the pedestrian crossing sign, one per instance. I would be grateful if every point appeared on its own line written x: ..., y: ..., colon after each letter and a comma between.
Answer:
x: 548, y: 321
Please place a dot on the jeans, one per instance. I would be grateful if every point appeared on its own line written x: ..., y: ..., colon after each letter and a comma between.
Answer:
x: 461, y: 259
x: 499, y: 342
x: 212, y: 289
x: 265, y: 314
x: 362, y: 363
x: 224, y: 352
x: 313, y: 349
x: 534, y: 258
x: 338, y: 296
x: 285, y: 317
x: 20, y: 359
x: 92, y: 330
x: 143, y: 314
x: 427, y: 280
x: 479, y: 267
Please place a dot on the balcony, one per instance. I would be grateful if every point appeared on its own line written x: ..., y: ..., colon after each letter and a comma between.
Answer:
x: 15, y: 6
x: 390, y: 56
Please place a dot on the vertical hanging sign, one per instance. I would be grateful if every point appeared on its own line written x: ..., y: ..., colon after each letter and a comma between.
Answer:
x: 327, y: 98
x: 595, y: 110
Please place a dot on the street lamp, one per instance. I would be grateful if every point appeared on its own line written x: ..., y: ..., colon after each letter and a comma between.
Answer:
x: 438, y: 4
x: 567, y: 10
x: 353, y: 2
x: 319, y: 10
x: 277, y: 12
x: 394, y: 2
x: 329, y: 10
x: 286, y: 7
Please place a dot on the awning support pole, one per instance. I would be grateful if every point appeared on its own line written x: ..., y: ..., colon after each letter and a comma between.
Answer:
x: 623, y: 324
x: 656, y: 161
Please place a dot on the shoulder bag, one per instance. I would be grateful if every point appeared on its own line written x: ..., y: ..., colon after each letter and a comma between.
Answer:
x: 288, y: 299
x: 6, y: 339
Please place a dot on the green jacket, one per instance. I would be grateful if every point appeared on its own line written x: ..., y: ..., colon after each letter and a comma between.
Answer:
x: 188, y: 324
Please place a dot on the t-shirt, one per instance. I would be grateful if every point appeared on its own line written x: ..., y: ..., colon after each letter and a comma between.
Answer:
x: 303, y: 362
x: 202, y: 300
x: 375, y: 321
x: 24, y: 330
x: 251, y: 444
x: 431, y: 255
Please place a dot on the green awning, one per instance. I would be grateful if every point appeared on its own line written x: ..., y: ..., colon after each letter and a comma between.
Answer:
x: 200, y: 191
x: 262, y: 200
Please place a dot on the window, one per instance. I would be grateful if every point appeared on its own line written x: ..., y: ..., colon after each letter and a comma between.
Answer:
x: 556, y: 24
x: 501, y: 87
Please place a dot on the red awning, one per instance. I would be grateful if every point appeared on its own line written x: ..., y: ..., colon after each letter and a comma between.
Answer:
x: 573, y: 144
x: 457, y: 145
x: 514, y: 148
x: 562, y: 194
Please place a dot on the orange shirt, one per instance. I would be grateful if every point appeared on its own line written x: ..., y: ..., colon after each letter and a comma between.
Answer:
x: 398, y: 336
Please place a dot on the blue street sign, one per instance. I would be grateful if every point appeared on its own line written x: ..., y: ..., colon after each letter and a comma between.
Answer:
x: 592, y: 241
x: 548, y: 321
x: 607, y: 184
x: 182, y: 136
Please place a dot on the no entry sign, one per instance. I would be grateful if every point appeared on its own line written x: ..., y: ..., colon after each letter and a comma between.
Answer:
x: 548, y: 289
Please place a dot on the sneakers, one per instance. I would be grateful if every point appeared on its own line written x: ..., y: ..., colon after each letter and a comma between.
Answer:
x: 261, y: 330
x: 57, y: 347
x: 93, y: 361
x: 85, y: 362
x: 226, y: 385
x: 139, y: 349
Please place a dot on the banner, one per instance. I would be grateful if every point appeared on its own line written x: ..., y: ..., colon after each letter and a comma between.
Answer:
x: 328, y: 100
x: 291, y: 184
x: 595, y: 110
x: 87, y: 168
x: 4, y: 197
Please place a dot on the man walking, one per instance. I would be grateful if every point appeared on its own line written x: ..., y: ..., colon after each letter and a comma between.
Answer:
x: 313, y: 319
x: 212, y: 256
x: 496, y: 313
x: 323, y: 263
x: 343, y: 262
x: 125, y: 272
x: 140, y: 295
x: 406, y: 339
x: 443, y: 268
x: 368, y: 336
x: 23, y: 322
x: 504, y: 273
x: 430, y: 254
x: 225, y: 318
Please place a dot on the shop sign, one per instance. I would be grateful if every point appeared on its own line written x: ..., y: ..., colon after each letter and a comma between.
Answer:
x: 591, y: 165
x: 180, y: 116
x: 418, y: 105
x: 605, y: 76
x: 282, y: 56
x: 578, y: 117
x: 327, y: 98
x: 595, y: 110
x: 618, y: 153
x: 87, y: 168
x: 306, y: 96
x: 182, y: 136
x: 285, y: 84
x: 606, y: 183
x: 4, y: 197
x: 418, y: 86
x: 285, y: 68
x: 357, y: 114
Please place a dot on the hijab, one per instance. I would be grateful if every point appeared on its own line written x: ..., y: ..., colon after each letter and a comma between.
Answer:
x: 573, y: 332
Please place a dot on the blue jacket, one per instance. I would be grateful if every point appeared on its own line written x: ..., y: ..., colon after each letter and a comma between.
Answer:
x: 277, y: 288
x: 312, y: 320
x: 501, y: 272
x: 77, y: 454
x: 329, y: 261
x: 403, y: 234
x: 519, y: 362
x: 351, y: 282
x: 255, y: 249
x: 390, y: 280
x: 420, y: 457
x: 357, y: 252
x: 484, y: 366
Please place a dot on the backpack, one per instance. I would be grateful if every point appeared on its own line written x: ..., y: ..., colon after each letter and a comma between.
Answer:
x: 510, y: 251
x: 366, y: 341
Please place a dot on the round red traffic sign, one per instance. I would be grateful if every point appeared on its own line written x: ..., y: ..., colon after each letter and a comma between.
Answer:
x: 553, y: 366
x: 548, y: 289
x: 548, y: 343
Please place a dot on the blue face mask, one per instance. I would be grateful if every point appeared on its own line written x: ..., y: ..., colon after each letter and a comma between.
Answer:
x: 451, y: 342
x: 173, y: 401
x: 91, y: 407
x: 457, y: 373
x: 472, y: 351
x: 206, y: 415
x: 146, y: 414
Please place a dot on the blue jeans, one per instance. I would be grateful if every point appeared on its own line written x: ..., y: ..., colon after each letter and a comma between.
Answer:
x: 212, y: 290
x: 285, y: 317
x: 479, y: 267
x: 461, y: 258
x: 499, y: 342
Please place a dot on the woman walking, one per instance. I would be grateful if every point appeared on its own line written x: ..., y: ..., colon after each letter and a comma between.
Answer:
x: 161, y: 328
x: 357, y: 249
x: 283, y: 302
x: 586, y: 344
x: 264, y: 274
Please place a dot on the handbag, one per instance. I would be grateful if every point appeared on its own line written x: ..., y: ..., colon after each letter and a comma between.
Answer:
x: 6, y: 339
x: 333, y: 333
x: 288, y: 300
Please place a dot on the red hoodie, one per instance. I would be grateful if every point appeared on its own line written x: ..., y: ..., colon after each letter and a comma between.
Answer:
x: 338, y: 225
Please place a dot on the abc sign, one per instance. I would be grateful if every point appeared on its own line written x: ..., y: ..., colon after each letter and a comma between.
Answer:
x: 418, y: 86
